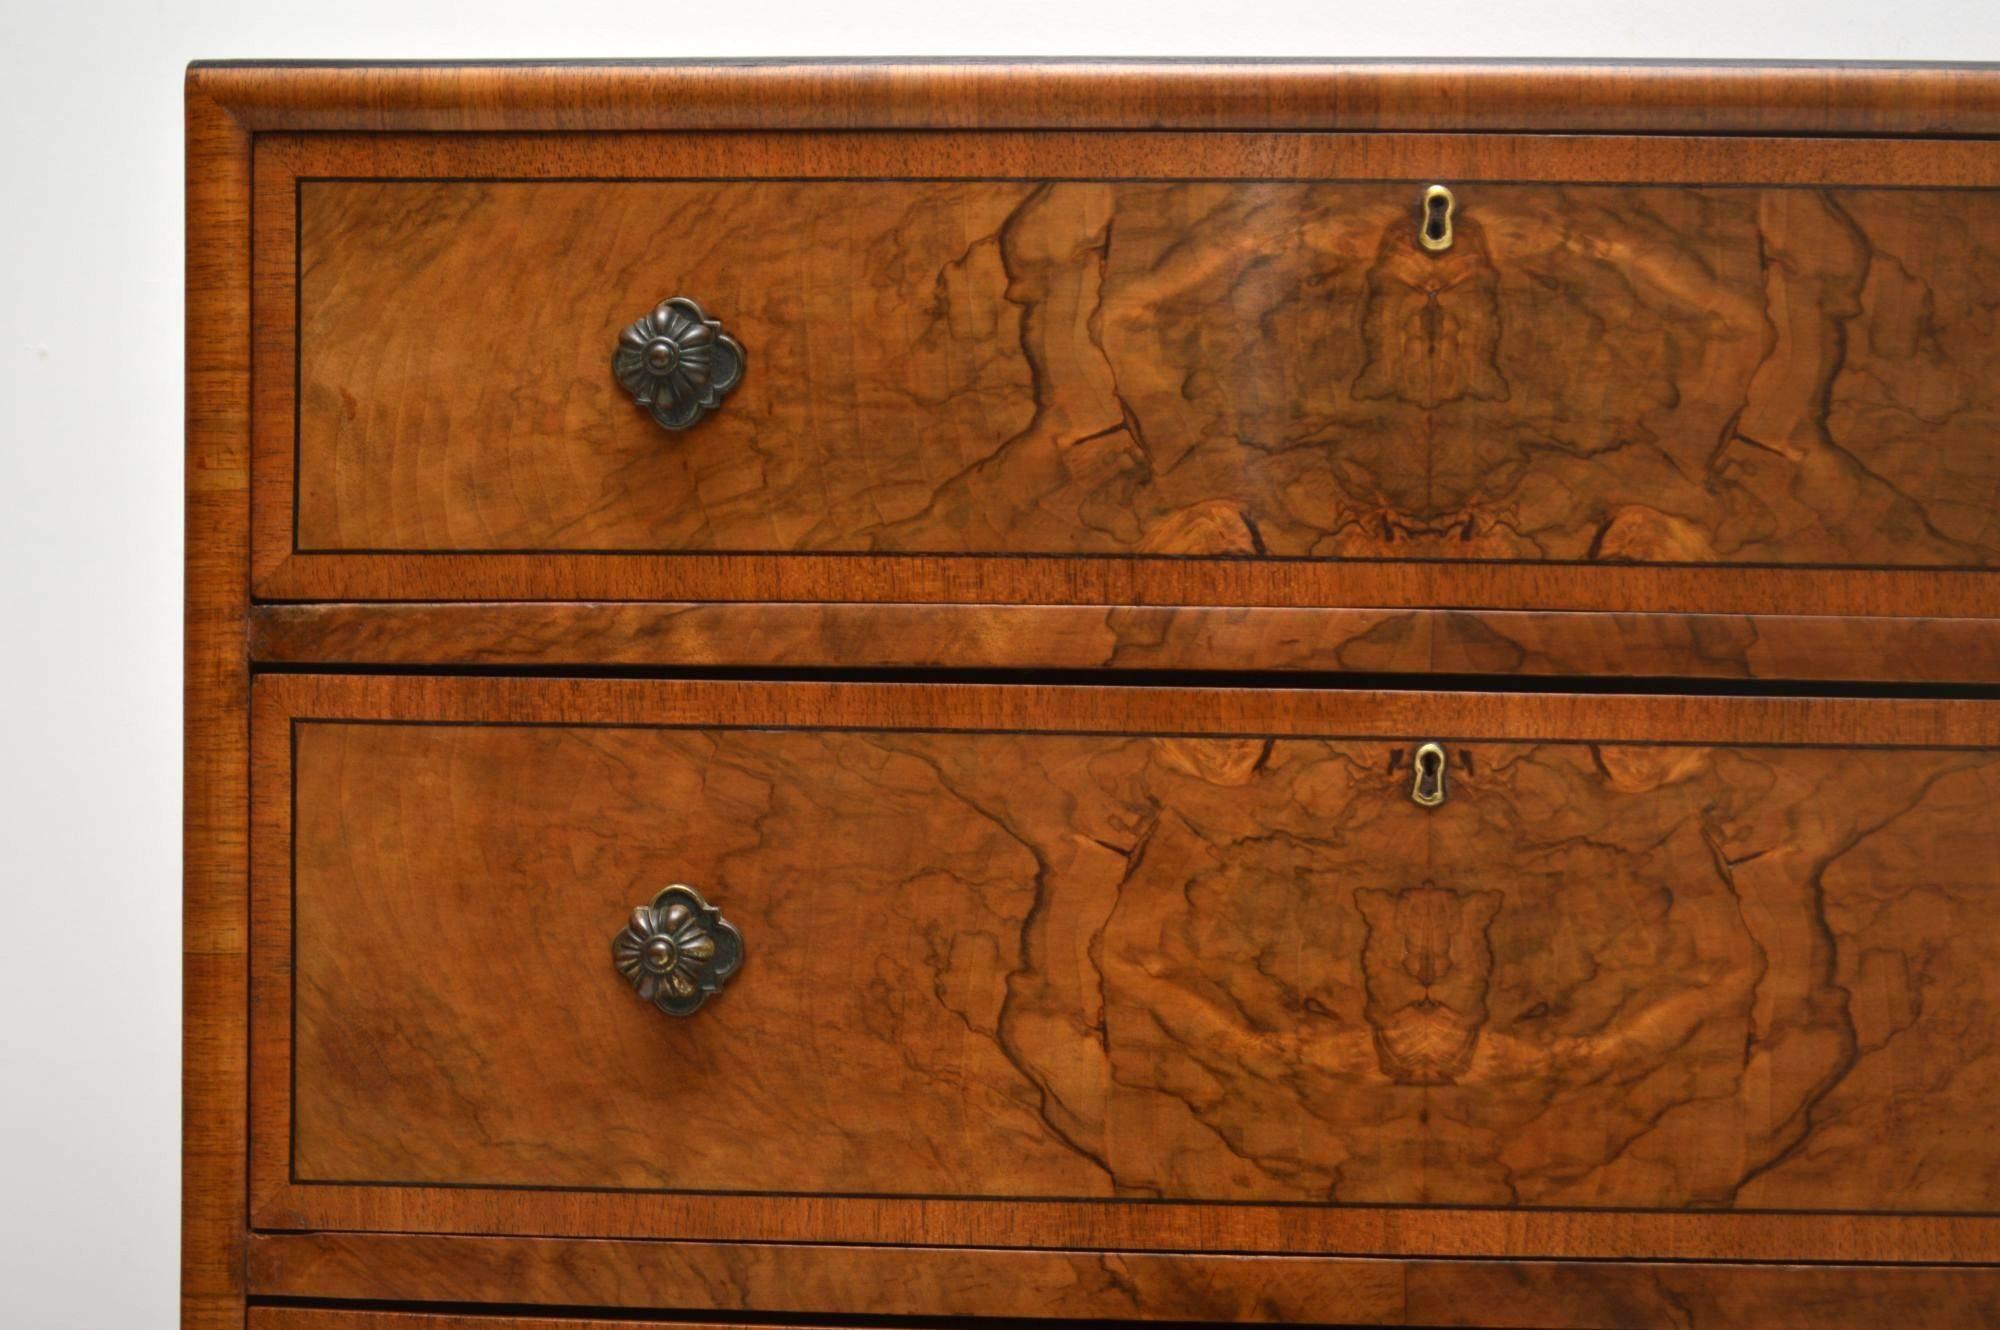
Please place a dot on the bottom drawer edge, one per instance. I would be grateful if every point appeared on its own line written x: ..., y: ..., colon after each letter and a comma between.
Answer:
x: 345, y: 1318
x: 745, y: 1280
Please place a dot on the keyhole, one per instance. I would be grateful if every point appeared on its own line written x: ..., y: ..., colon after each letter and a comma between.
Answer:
x: 1435, y: 232
x: 1428, y: 788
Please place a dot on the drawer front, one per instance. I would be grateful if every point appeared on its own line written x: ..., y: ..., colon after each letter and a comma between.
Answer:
x: 1743, y: 376
x: 1064, y: 946
x: 1241, y: 368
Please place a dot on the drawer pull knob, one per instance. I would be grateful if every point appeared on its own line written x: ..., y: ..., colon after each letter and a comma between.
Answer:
x: 677, y: 363
x: 1434, y: 227
x: 1428, y: 787
x: 677, y: 951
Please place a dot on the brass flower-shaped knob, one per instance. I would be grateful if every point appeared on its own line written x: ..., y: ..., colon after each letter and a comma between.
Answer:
x: 677, y: 363
x: 677, y: 951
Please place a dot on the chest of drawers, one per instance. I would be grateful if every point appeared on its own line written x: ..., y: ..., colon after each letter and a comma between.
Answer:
x: 1283, y: 692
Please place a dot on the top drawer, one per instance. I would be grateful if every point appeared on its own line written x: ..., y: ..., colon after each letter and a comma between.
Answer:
x: 1749, y: 375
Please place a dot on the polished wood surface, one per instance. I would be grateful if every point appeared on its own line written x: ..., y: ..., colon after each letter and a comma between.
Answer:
x: 915, y: 1281
x: 1147, y: 578
x: 1099, y: 637
x: 1643, y: 1296
x: 1560, y: 97
x: 1759, y: 918
x: 1163, y: 369
x: 1154, y: 154
x: 804, y: 1279
x: 1678, y: 590
x: 1744, y: 1058
x: 215, y: 693
x: 1207, y: 969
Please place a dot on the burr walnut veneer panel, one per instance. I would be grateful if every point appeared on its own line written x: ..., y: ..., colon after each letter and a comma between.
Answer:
x: 1624, y: 373
x: 1652, y: 374
x: 1165, y: 945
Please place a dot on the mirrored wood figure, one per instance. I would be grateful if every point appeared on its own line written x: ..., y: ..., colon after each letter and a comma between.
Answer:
x: 1328, y: 693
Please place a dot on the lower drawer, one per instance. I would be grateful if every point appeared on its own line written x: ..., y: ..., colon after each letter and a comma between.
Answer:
x: 1256, y: 970
x: 1010, y: 1287
x: 293, y: 1318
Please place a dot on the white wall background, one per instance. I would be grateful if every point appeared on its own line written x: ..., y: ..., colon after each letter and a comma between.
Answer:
x: 90, y: 473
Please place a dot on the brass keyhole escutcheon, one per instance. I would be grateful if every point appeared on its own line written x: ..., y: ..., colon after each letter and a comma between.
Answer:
x: 1428, y: 787
x: 1434, y: 229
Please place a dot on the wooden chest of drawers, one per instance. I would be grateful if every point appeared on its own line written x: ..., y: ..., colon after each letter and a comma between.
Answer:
x: 1300, y: 693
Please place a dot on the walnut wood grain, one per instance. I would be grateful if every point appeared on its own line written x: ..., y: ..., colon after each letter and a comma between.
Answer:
x: 1623, y: 373
x: 1149, y: 968
x: 1568, y: 97
x: 215, y: 788
x: 803, y: 1280
x: 1166, y: 155
x: 1225, y: 580
x: 1736, y: 1043
x: 800, y: 1279
x: 804, y: 635
x: 1851, y: 967
x: 1493, y: 1295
